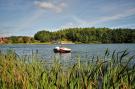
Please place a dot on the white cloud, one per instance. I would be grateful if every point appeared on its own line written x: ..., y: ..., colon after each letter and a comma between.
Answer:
x: 79, y: 21
x: 117, y: 16
x: 50, y: 6
x: 130, y: 25
x: 28, y: 22
x: 68, y: 25
x: 5, y: 34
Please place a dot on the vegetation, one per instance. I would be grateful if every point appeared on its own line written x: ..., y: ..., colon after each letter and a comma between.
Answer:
x: 30, y: 72
x: 21, y: 39
x: 77, y: 35
x: 89, y: 35
x: 17, y: 39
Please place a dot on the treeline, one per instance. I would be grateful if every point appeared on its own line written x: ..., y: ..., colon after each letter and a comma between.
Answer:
x: 88, y: 35
x: 20, y: 39
x: 77, y: 35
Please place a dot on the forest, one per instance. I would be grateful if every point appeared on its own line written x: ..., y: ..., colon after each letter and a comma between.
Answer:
x: 78, y: 35
x: 17, y: 39
x: 88, y: 35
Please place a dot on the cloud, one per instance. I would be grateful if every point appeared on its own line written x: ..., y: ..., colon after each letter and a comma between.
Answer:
x: 119, y: 15
x: 50, y: 6
x: 130, y: 25
x: 116, y: 16
x: 79, y: 21
x: 68, y: 25
x: 28, y: 22
x: 4, y: 34
x: 32, y: 20
x: 6, y: 30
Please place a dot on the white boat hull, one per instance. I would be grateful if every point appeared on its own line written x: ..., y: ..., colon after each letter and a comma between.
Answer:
x: 61, y: 50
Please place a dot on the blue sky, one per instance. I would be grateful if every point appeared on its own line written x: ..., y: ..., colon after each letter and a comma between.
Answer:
x: 26, y: 17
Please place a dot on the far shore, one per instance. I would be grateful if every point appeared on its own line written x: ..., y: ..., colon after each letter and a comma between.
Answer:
x: 64, y: 43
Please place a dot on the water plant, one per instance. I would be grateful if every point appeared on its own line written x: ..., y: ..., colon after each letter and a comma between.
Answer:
x: 29, y: 72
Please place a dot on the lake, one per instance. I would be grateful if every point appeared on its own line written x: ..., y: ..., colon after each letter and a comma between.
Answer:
x: 82, y: 51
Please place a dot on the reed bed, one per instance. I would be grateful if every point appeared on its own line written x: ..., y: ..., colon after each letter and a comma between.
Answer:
x: 17, y: 72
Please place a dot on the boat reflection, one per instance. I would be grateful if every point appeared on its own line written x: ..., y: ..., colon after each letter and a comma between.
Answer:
x: 63, y: 56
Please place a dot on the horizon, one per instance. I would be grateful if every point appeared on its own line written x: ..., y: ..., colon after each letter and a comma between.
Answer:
x: 26, y: 17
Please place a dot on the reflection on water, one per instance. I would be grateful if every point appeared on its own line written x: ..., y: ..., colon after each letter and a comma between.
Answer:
x: 63, y: 56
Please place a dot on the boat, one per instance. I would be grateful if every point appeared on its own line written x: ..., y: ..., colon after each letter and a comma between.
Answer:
x: 61, y: 50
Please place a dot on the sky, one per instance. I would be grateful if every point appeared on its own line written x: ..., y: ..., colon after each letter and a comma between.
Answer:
x: 26, y: 17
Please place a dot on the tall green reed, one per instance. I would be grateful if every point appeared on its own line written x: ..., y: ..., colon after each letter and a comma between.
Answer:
x: 29, y: 72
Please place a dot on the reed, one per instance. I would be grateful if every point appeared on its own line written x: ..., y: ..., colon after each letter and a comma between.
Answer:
x: 29, y: 72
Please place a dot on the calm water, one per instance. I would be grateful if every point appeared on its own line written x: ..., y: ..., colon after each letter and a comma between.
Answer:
x: 82, y: 51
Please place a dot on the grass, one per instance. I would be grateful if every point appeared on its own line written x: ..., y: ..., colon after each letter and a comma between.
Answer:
x: 29, y: 72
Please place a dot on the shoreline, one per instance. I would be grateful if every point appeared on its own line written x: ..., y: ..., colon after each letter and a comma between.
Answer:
x: 59, y: 44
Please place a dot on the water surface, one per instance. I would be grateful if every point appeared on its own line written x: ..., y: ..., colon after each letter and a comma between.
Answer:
x: 81, y: 51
